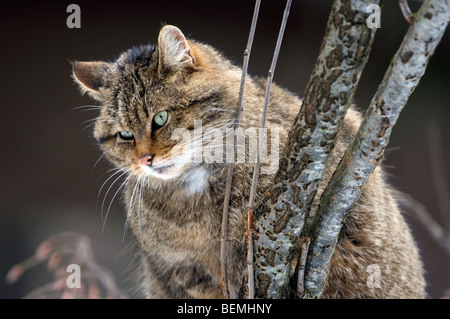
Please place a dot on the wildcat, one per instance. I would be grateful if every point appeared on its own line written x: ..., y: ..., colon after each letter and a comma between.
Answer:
x: 174, y: 206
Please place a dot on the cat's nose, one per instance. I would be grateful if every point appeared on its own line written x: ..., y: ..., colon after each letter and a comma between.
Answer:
x: 146, y: 159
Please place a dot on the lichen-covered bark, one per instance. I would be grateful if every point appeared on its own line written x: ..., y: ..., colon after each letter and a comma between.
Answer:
x: 366, y: 151
x: 280, y: 218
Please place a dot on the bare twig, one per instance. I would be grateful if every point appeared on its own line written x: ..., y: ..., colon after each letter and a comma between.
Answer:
x: 250, y: 230
x: 250, y: 271
x: 366, y: 151
x: 423, y: 216
x: 329, y: 93
x: 226, y: 203
x: 438, y: 173
x: 409, y: 16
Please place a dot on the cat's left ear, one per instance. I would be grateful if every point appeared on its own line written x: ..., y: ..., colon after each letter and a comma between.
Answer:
x: 91, y: 76
x: 174, y: 51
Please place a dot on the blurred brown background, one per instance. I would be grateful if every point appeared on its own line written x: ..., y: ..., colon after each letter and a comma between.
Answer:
x: 48, y: 183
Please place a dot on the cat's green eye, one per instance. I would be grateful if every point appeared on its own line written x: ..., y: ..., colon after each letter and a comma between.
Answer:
x: 125, y: 135
x: 159, y: 120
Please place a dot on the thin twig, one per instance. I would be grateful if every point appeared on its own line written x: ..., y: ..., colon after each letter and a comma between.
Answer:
x: 226, y: 202
x: 251, y: 279
x: 250, y: 230
x: 409, y: 16
x: 423, y: 216
x: 366, y: 152
x: 438, y: 173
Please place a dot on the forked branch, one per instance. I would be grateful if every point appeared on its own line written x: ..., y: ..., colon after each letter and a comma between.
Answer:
x: 280, y: 218
x: 403, y: 75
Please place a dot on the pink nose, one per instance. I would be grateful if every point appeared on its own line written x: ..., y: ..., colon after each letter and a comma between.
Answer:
x: 146, y: 159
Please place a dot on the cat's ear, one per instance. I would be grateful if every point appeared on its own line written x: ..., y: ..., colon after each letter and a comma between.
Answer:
x: 174, y: 51
x: 90, y: 76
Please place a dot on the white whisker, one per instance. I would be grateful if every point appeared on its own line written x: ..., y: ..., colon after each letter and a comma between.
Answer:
x: 104, y: 199
x: 115, y: 194
x: 139, y: 206
x: 101, y: 156
x: 87, y: 107
x: 132, y: 199
x: 92, y: 122
x: 125, y: 228
x: 118, y: 170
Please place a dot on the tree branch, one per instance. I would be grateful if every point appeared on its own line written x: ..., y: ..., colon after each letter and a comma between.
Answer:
x: 366, y: 151
x: 343, y: 55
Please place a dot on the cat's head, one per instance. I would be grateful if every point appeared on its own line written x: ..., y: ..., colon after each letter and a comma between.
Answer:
x: 152, y: 95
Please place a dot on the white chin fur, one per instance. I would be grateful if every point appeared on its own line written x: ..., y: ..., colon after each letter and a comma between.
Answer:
x: 195, y: 180
x: 164, y: 173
